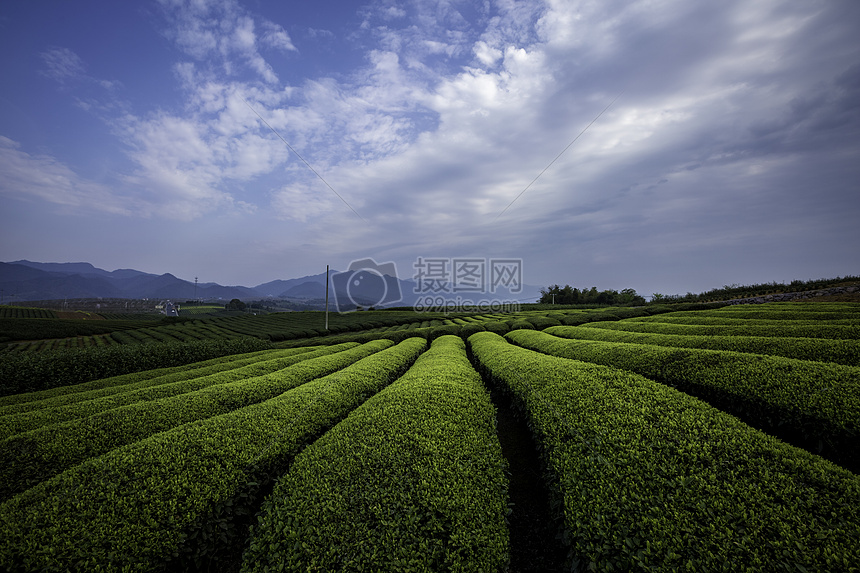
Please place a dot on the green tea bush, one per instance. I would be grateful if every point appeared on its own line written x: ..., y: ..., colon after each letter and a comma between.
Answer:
x: 812, y: 404
x: 470, y: 329
x: 574, y: 320
x: 26, y: 416
x: 401, y: 335
x: 497, y: 326
x: 541, y: 322
x: 32, y: 371
x: 648, y: 478
x: 427, y: 491
x: 39, y: 328
x: 728, y: 320
x: 118, y: 384
x: 788, y: 312
x: 169, y: 501
x: 839, y: 331
x: 32, y: 457
x: 845, y: 352
x: 438, y: 331
x: 622, y: 313
x: 586, y: 317
x: 7, y: 311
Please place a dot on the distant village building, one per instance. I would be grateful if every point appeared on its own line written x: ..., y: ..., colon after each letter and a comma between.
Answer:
x: 170, y: 309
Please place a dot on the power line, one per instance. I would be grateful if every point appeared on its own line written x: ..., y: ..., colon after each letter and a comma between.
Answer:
x: 303, y: 160
x: 559, y: 155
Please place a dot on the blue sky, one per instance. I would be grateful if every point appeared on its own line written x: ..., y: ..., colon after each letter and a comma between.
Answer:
x: 731, y: 156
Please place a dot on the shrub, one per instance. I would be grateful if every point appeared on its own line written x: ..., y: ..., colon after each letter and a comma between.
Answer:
x: 812, y: 404
x: 470, y: 329
x: 521, y: 325
x: 645, y: 477
x: 428, y: 491
x: 32, y: 371
x: 541, y: 322
x: 32, y: 457
x: 845, y: 352
x: 496, y: 326
x: 176, y: 495
x: 438, y: 331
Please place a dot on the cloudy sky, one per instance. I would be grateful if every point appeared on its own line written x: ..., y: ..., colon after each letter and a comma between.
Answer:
x: 134, y: 135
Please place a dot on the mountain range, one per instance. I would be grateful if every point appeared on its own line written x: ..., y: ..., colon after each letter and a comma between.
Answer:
x: 30, y: 281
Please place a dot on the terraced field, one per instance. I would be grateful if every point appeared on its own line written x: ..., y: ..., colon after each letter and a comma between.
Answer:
x: 711, y: 440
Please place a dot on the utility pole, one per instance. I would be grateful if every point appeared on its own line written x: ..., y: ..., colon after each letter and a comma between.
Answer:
x: 553, y: 298
x: 195, y: 292
x: 326, y: 297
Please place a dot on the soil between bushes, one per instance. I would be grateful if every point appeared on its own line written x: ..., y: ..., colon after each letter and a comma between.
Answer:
x: 534, y: 546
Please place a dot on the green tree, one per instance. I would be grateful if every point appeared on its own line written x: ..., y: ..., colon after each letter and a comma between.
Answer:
x: 629, y: 297
x: 235, y: 304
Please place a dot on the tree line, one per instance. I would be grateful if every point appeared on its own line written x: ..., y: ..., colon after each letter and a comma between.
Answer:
x: 629, y: 297
x: 569, y: 295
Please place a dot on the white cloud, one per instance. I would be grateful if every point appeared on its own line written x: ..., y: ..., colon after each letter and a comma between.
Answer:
x: 497, y: 130
x: 276, y: 37
x: 226, y: 30
x: 458, y: 107
x: 487, y: 55
x: 245, y: 39
x: 190, y: 163
x: 65, y: 67
x: 27, y: 176
x: 62, y: 64
x: 301, y: 203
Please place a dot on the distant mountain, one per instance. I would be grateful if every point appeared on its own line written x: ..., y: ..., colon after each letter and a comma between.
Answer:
x: 308, y: 289
x: 21, y: 283
x: 26, y: 281
x: 277, y: 287
x: 84, y: 269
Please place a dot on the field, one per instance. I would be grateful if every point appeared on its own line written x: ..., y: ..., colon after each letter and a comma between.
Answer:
x: 657, y: 438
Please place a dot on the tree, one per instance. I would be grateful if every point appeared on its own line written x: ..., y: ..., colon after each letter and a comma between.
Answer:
x: 606, y: 297
x: 548, y: 295
x: 569, y: 295
x: 629, y: 297
x: 235, y: 304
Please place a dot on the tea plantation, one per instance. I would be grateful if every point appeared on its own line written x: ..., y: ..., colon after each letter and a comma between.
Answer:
x: 701, y: 439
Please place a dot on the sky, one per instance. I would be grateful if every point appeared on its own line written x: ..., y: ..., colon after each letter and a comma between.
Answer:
x: 662, y: 145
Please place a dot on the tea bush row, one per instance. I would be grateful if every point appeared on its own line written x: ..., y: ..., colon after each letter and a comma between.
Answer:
x: 412, y: 480
x: 725, y: 319
x: 115, y: 384
x: 812, y: 404
x: 86, y: 404
x: 845, y: 352
x: 25, y: 312
x: 32, y: 371
x: 176, y: 496
x: 41, y: 328
x: 833, y: 331
x: 648, y: 478
x: 29, y: 458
